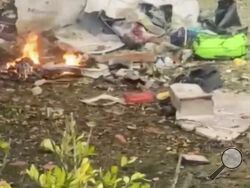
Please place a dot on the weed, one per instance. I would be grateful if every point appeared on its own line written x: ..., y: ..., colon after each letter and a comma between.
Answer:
x: 75, y: 170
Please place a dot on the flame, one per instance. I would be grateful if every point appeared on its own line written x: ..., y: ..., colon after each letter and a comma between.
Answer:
x: 72, y: 59
x: 30, y: 49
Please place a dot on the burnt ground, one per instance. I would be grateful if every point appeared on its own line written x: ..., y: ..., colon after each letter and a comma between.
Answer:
x: 156, y: 143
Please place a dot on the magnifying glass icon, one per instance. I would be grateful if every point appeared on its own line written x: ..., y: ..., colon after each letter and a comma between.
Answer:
x: 231, y: 158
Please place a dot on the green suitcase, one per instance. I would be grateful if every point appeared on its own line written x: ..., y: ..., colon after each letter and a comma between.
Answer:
x: 220, y: 46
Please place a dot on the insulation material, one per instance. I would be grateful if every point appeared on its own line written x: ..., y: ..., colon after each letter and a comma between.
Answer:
x: 46, y: 14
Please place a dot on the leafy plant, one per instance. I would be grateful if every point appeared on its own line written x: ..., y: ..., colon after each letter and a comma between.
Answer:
x: 75, y: 169
x: 72, y: 148
x: 5, y: 149
x: 4, y: 184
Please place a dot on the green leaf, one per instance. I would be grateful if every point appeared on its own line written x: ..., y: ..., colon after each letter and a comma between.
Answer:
x: 4, y: 146
x: 137, y: 176
x: 114, y: 170
x: 6, y: 185
x: 100, y: 185
x: 107, y: 178
x: 126, y: 179
x: 33, y: 173
x: 135, y: 185
x: 60, y: 176
x: 124, y: 161
x: 42, y: 180
x: 48, y: 145
x: 118, y: 180
x: 145, y: 185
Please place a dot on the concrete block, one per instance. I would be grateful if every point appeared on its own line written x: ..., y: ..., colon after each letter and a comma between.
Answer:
x: 190, y: 100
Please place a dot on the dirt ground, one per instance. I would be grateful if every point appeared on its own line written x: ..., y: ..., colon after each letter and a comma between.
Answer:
x: 155, y: 142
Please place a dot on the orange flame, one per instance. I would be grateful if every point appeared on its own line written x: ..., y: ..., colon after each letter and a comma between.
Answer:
x: 30, y: 49
x: 72, y: 59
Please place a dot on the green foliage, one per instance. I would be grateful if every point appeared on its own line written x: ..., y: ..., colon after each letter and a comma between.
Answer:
x: 4, y: 146
x: 75, y: 169
x: 4, y: 149
x: 72, y: 148
x: 4, y: 185
x: 125, y: 161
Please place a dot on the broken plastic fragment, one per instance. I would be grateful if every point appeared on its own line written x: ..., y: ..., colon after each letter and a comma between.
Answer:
x: 94, y: 101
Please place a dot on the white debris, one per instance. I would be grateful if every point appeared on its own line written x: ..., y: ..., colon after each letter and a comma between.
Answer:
x: 164, y: 62
x: 79, y: 39
x: 115, y: 8
x: 95, y: 73
x: 195, y: 159
x: 43, y: 14
x: 227, y: 122
x: 185, y: 12
x: 36, y: 90
x: 104, y: 97
x: 190, y: 100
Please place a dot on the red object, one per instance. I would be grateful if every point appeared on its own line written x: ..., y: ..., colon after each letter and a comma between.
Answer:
x: 138, y: 98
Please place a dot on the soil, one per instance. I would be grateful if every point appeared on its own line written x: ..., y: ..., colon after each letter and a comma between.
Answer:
x: 155, y: 142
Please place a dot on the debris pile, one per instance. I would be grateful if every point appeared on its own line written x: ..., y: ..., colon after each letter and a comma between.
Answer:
x: 166, y: 52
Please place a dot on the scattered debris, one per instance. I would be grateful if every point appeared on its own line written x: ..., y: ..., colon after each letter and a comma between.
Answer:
x: 164, y: 62
x: 18, y: 164
x: 163, y: 96
x: 121, y: 138
x: 239, y: 62
x: 54, y: 112
x: 42, y: 16
x: 138, y: 98
x: 103, y: 97
x: 75, y: 37
x: 152, y: 130
x: 207, y: 77
x: 121, y: 46
x: 95, y: 73
x: 226, y: 14
x: 128, y: 57
x: 226, y: 123
x: 36, y: 90
x: 190, y: 100
x: 194, y: 159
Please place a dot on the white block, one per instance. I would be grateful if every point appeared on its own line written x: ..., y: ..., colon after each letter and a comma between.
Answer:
x: 190, y: 100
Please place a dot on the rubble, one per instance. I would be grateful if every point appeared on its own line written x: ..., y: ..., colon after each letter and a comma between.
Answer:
x: 194, y: 159
x: 226, y: 123
x: 135, y: 67
x: 207, y: 77
x: 103, y: 97
x: 36, y: 90
x: 190, y: 100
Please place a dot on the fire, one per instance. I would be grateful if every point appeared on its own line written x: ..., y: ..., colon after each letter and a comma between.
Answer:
x: 30, y: 49
x: 72, y: 59
x: 24, y: 65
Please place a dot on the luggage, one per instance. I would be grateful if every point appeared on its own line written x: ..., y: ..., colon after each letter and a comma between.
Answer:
x: 220, y: 46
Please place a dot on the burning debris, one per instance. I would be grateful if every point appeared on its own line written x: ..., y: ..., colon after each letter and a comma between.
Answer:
x: 29, y: 63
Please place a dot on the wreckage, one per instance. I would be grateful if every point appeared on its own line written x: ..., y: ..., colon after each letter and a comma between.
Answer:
x: 82, y: 45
